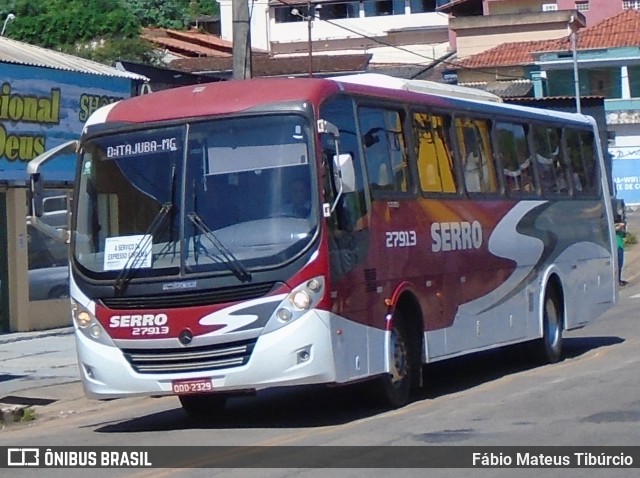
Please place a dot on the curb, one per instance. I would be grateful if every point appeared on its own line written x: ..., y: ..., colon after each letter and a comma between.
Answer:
x: 22, y: 336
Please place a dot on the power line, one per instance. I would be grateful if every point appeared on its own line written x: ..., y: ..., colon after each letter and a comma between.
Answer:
x: 384, y: 43
x: 453, y: 64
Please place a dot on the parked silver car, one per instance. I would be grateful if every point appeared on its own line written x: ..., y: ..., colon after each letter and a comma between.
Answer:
x: 49, y: 283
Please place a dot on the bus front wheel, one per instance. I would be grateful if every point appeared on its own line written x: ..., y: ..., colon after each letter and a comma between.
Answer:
x: 202, y: 406
x: 394, y: 389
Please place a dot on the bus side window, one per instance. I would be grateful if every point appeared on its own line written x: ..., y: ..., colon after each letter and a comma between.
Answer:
x: 384, y: 149
x: 582, y: 159
x: 476, y: 155
x: 349, y: 224
x: 434, y: 154
x: 550, y: 162
x: 351, y: 212
x: 513, y: 151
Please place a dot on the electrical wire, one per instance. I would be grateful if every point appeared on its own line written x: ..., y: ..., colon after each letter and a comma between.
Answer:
x: 382, y: 42
x: 457, y: 65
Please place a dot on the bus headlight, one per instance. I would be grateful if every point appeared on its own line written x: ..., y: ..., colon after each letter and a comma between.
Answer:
x: 284, y: 314
x: 301, y: 299
x: 95, y: 331
x: 83, y: 319
x: 89, y: 326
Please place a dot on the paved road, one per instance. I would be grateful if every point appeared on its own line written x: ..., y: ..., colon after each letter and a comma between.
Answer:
x: 590, y: 398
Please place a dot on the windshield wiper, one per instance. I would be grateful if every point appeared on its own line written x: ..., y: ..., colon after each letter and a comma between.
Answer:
x: 230, y: 260
x: 134, y: 260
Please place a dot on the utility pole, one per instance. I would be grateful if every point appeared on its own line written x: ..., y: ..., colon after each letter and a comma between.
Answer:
x: 311, y: 13
x: 241, y: 40
x: 574, y: 53
x: 309, y: 39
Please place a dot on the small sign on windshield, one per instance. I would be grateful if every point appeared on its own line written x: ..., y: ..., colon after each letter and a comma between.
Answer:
x: 118, y: 252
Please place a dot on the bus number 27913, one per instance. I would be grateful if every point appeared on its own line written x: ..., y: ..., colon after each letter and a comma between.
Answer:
x: 401, y: 238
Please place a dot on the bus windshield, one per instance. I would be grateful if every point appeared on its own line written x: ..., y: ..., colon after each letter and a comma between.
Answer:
x: 223, y: 196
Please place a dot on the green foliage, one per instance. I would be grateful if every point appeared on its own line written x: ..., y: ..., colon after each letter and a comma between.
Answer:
x: 101, y: 30
x: 60, y: 23
x: 630, y: 238
x: 112, y: 49
x: 160, y: 13
x: 175, y: 14
x: 28, y: 415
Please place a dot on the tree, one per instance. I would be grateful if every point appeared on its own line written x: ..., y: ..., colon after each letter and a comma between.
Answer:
x: 160, y: 13
x: 102, y: 30
x: 177, y: 14
x: 110, y: 50
x: 63, y: 23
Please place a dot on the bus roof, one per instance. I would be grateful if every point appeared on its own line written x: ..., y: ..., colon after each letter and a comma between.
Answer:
x: 236, y: 96
x: 419, y: 86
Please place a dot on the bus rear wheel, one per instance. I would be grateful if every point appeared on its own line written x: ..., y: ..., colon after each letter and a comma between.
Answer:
x: 394, y: 389
x: 203, y: 406
x: 548, y: 349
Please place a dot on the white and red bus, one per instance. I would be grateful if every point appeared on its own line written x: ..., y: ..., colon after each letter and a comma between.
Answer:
x: 236, y: 236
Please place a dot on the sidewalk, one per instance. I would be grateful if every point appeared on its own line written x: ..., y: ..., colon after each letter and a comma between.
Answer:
x: 41, y: 368
x: 34, y: 367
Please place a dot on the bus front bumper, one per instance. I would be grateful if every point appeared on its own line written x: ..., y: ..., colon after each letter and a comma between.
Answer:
x: 297, y: 354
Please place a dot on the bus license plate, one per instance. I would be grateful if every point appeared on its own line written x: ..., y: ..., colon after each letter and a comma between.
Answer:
x: 196, y: 385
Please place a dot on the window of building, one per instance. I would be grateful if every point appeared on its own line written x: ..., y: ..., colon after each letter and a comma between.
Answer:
x: 434, y: 153
x: 284, y: 15
x: 422, y: 6
x: 631, y: 4
x: 330, y: 11
x: 376, y: 8
x: 582, y: 6
x: 476, y: 155
x: 513, y: 151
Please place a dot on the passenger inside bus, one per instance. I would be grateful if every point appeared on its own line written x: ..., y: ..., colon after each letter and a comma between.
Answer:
x: 299, y: 204
x: 473, y: 172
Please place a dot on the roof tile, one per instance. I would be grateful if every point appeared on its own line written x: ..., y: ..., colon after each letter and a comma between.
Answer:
x: 617, y: 31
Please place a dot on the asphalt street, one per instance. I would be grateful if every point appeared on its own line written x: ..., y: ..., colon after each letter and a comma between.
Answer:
x: 40, y: 368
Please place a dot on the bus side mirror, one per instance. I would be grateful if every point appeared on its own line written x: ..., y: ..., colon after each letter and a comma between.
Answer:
x: 343, y: 176
x: 343, y: 165
x: 36, y: 192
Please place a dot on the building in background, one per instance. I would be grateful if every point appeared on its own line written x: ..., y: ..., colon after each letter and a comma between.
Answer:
x: 45, y: 99
x: 608, y: 65
x: 391, y: 31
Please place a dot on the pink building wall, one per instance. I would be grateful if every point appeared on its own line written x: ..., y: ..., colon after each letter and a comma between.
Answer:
x: 598, y: 9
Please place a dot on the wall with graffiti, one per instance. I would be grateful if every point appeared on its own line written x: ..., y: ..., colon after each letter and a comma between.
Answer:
x: 43, y: 107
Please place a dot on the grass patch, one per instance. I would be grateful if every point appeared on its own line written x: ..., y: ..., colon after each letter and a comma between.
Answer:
x: 17, y: 415
x: 630, y: 238
x: 28, y: 415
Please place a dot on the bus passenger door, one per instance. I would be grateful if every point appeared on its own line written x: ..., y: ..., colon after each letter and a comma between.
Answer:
x: 348, y: 241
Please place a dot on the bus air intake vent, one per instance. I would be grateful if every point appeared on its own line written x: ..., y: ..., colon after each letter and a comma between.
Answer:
x: 370, y: 278
x: 190, y: 359
x: 190, y: 299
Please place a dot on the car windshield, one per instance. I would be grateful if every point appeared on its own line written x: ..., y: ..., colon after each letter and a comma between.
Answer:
x: 225, y: 196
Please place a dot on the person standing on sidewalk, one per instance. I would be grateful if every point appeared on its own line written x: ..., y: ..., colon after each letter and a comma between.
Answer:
x: 621, y: 232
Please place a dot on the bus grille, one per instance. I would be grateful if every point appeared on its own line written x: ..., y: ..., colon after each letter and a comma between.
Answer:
x: 190, y: 299
x: 190, y: 359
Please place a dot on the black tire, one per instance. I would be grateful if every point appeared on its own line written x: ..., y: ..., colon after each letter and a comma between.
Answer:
x: 548, y: 349
x: 203, y: 406
x: 394, y: 390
